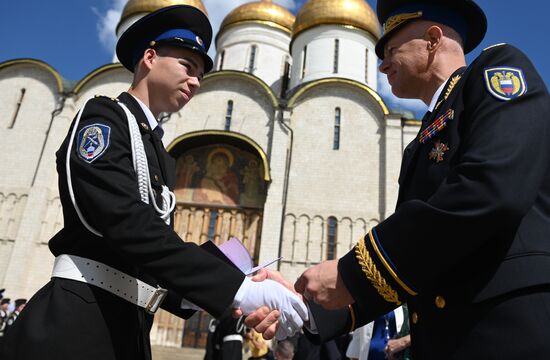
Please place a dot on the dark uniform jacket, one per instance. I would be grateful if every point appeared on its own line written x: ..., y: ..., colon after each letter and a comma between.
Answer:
x: 468, y: 247
x: 72, y: 320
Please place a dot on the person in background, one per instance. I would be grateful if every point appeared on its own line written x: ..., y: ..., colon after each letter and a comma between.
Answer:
x: 4, y: 314
x: 258, y: 346
x: 225, y: 338
x: 19, y: 306
x: 284, y: 350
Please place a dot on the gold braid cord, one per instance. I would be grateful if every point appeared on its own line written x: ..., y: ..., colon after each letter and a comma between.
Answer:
x: 372, y: 273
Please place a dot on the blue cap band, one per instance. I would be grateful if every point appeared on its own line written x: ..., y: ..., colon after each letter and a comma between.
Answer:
x: 180, y: 35
x: 437, y: 13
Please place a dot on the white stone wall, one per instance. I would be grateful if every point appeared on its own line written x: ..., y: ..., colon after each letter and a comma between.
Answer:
x: 356, y: 60
x: 22, y: 144
x: 252, y: 110
x: 345, y: 183
x: 271, y: 53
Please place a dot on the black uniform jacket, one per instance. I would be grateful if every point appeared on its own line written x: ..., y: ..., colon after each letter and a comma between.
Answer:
x: 472, y: 226
x: 73, y: 320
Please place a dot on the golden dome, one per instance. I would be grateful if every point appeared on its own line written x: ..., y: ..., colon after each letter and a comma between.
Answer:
x: 355, y: 13
x: 146, y: 6
x: 263, y: 11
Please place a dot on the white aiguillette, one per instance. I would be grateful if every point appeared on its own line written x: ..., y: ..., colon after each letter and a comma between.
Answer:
x: 236, y: 254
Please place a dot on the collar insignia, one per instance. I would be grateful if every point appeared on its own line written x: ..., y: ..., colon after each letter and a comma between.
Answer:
x: 449, y: 90
x: 145, y: 126
x: 505, y: 83
x: 438, y: 151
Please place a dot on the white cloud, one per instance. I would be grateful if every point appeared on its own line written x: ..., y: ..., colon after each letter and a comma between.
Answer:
x: 396, y: 104
x: 217, y: 10
x: 107, y: 23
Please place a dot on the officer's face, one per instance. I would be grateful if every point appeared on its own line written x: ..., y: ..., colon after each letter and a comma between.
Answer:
x: 174, y: 78
x: 406, y: 61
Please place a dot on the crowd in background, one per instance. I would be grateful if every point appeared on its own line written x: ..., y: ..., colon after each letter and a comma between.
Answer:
x: 9, y: 312
x: 385, y: 338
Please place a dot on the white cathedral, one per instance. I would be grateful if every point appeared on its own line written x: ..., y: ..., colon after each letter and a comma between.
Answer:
x: 287, y: 145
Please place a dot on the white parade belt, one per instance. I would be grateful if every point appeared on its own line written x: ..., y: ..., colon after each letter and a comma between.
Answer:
x: 110, y: 279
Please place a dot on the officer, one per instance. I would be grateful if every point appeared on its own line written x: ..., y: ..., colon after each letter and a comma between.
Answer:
x: 117, y: 256
x: 468, y: 246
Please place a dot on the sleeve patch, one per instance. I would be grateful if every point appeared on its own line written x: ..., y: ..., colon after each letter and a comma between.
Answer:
x: 93, y: 141
x: 505, y: 83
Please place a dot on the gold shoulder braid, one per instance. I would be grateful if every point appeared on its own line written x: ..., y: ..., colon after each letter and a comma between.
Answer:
x: 372, y: 273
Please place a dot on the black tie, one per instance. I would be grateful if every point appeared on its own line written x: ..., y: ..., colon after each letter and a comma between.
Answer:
x: 158, y: 130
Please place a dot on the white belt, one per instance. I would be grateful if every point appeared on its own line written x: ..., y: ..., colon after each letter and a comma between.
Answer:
x: 233, y: 338
x: 110, y: 279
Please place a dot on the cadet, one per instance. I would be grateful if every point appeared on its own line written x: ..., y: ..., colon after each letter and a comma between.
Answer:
x: 468, y: 246
x: 117, y: 256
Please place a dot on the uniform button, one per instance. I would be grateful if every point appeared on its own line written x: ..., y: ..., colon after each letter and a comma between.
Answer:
x: 440, y: 302
x: 414, y: 317
x: 156, y: 177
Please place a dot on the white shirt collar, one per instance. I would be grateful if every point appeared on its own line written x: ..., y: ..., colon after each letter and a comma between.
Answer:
x: 153, y: 123
x: 436, y: 96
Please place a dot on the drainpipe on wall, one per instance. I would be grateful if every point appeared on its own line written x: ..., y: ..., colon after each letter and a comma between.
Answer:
x: 55, y: 112
x: 286, y: 178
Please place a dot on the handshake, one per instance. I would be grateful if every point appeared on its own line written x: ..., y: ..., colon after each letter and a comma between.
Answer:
x: 275, y: 308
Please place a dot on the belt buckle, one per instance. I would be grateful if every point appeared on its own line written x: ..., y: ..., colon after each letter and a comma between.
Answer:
x: 155, y: 300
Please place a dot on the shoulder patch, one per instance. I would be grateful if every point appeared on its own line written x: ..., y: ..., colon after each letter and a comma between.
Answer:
x: 493, y: 46
x: 505, y: 83
x: 93, y: 141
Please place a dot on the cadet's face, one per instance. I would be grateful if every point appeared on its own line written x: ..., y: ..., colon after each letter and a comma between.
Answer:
x: 405, y: 62
x: 174, y: 78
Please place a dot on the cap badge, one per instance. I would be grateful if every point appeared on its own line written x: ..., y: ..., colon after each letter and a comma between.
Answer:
x: 93, y: 140
x: 396, y: 20
x: 438, y: 151
x: 505, y: 83
x: 199, y: 41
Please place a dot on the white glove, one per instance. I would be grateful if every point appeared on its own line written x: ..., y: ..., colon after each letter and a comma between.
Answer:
x: 255, y: 294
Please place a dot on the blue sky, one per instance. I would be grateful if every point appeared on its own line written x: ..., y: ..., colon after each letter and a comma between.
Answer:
x: 77, y: 36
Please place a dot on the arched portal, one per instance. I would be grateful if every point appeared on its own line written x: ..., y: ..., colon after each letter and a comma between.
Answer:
x: 221, y: 185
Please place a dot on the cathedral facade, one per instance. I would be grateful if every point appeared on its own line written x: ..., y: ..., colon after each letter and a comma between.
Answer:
x: 287, y: 145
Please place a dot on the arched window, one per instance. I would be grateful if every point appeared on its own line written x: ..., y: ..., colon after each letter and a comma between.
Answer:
x: 336, y: 52
x: 212, y: 224
x: 222, y: 58
x: 337, y: 118
x: 252, y: 59
x: 17, y: 108
x: 304, y: 58
x: 332, y: 237
x: 228, y: 115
